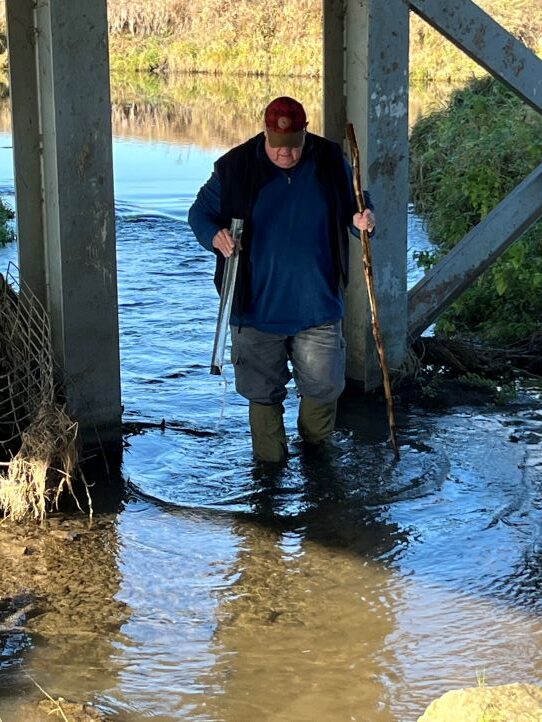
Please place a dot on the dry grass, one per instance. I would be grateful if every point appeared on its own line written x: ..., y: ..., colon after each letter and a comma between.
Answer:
x: 57, y: 709
x: 43, y: 469
x: 31, y: 422
x: 258, y: 37
x: 274, y: 37
x: 148, y: 18
x: 434, y: 57
x: 212, y: 18
x: 217, y: 36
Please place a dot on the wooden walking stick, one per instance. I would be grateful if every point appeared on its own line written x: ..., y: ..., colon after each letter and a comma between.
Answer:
x: 369, y: 282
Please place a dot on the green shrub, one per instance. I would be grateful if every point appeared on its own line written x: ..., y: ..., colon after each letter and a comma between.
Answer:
x: 7, y: 234
x: 464, y: 160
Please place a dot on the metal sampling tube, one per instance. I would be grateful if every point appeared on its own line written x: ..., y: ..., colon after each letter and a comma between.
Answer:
x: 226, y: 298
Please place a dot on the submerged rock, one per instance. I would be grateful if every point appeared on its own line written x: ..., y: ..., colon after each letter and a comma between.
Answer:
x: 503, y: 703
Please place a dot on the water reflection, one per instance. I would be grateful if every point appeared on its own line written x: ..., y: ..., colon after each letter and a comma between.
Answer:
x: 278, y: 655
x: 215, y: 111
x: 305, y: 562
x: 343, y: 587
x: 14, y: 638
x: 353, y: 586
x: 205, y: 111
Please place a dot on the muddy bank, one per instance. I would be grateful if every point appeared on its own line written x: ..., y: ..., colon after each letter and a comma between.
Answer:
x: 56, y: 589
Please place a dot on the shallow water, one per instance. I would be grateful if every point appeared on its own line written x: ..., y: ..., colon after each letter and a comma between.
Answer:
x: 344, y: 587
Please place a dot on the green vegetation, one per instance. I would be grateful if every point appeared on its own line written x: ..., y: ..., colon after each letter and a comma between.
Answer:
x: 7, y: 234
x: 272, y: 37
x: 276, y: 37
x: 464, y: 160
x: 434, y: 58
x: 440, y: 390
x: 259, y: 37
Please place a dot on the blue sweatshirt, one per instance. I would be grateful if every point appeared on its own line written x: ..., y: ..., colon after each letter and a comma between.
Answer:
x: 294, y: 279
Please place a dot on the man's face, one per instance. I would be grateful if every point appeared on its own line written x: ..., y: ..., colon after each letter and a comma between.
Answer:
x: 284, y: 157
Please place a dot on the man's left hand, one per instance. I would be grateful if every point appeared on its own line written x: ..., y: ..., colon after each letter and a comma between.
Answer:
x: 364, y: 221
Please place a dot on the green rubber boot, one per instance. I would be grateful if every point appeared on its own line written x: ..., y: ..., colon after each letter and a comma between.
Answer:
x: 267, y: 429
x: 316, y: 421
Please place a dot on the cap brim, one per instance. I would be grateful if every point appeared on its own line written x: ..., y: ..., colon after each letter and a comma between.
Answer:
x: 285, y: 140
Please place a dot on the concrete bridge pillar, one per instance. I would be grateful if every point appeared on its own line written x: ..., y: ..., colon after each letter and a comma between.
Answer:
x: 61, y: 113
x: 366, y: 82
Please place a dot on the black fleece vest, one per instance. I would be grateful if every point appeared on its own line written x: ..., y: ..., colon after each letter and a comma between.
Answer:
x: 245, y: 169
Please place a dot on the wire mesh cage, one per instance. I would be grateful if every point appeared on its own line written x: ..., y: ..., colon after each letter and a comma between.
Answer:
x: 26, y: 358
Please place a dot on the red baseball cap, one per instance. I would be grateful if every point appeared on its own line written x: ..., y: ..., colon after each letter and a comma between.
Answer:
x: 285, y: 121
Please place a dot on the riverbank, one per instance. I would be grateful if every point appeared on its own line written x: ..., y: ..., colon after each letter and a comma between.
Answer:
x: 164, y: 37
x: 246, y: 38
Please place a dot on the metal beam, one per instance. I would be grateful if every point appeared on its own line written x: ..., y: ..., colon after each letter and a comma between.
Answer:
x: 443, y: 283
x: 377, y: 35
x: 488, y: 43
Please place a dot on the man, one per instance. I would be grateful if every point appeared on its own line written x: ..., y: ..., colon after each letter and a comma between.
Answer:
x: 293, y: 190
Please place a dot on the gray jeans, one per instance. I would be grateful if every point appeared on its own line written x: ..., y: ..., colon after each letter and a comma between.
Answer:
x: 261, y: 360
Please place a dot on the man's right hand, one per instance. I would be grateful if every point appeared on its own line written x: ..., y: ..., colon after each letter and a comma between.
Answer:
x: 223, y: 242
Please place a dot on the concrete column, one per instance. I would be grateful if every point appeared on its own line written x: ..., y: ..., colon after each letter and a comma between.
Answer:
x: 26, y: 143
x: 79, y: 261
x: 377, y: 33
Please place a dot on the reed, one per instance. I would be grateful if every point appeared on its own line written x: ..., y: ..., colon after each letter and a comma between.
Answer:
x: 261, y: 37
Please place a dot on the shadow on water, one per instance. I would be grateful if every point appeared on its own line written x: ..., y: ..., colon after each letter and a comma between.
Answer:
x: 413, y: 575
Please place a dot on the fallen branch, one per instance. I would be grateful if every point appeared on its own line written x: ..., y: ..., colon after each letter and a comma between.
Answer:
x: 465, y: 355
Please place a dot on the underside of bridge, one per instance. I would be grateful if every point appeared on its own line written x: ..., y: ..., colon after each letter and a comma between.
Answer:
x: 59, y: 75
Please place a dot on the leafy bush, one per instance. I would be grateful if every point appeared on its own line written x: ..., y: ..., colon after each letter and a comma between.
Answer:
x: 464, y: 160
x: 7, y: 234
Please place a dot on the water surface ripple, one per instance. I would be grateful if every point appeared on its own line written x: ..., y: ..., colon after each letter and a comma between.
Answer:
x: 343, y: 587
